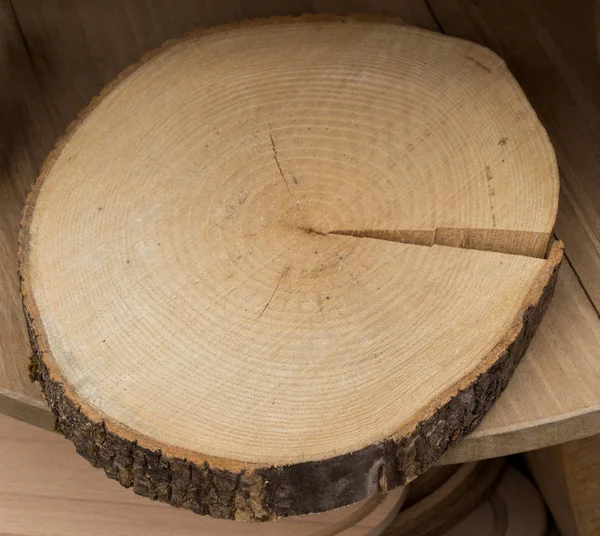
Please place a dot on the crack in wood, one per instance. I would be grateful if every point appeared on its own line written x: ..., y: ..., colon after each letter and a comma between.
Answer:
x: 285, y: 271
x: 524, y: 243
x: 276, y: 157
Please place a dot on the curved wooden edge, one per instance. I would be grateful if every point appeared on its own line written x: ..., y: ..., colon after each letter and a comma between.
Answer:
x: 519, y: 438
x: 270, y: 492
x: 231, y: 489
x: 451, y: 502
x: 513, y: 439
x: 364, y: 511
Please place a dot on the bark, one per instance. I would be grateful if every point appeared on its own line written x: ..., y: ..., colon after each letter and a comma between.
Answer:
x: 302, y: 488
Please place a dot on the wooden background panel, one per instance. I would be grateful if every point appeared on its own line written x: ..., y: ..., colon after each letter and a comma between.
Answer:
x: 78, y: 47
x: 26, y: 137
x: 542, y: 42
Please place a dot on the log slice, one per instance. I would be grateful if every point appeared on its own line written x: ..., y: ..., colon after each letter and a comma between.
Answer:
x: 280, y: 266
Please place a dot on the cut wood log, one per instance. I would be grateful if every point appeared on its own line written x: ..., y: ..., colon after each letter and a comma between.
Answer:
x: 224, y: 309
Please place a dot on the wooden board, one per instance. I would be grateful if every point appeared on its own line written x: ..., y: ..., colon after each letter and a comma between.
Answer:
x: 554, y: 394
x: 568, y: 476
x: 25, y: 140
x: 549, y: 46
x: 241, y: 166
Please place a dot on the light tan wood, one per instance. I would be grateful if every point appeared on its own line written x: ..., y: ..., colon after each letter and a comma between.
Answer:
x: 24, y: 141
x: 549, y: 45
x: 514, y: 509
x: 204, y: 271
x: 48, y: 489
x: 569, y: 478
x: 79, y: 47
x: 65, y: 39
x: 554, y: 396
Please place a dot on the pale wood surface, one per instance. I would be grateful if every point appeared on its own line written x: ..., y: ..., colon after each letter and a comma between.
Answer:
x: 66, y: 59
x: 569, y: 478
x: 77, y: 48
x: 74, y: 65
x: 48, y: 489
x: 186, y: 282
x: 563, y: 353
x: 549, y: 45
x: 554, y: 394
x: 230, y: 241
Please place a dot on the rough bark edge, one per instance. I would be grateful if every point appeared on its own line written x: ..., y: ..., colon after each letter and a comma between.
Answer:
x: 250, y: 492
x: 310, y: 487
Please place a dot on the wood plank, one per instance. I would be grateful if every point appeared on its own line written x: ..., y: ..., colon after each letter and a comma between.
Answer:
x: 537, y: 38
x: 25, y: 139
x: 569, y: 477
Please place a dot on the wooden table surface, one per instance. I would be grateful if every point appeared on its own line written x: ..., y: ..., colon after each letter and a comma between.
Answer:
x: 72, y: 49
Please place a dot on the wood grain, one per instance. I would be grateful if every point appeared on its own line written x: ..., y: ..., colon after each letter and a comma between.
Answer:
x: 73, y: 65
x: 553, y: 396
x: 79, y: 47
x: 225, y: 106
x: 549, y: 46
